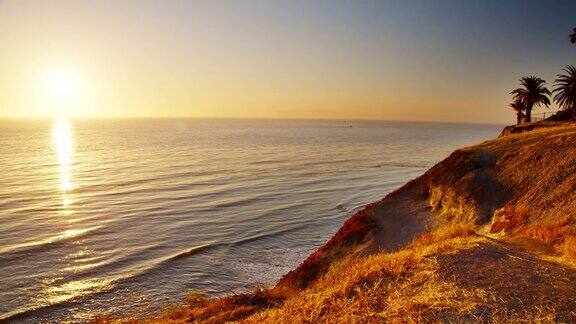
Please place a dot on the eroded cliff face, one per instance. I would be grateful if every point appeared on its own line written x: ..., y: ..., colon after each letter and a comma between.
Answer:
x: 462, y: 188
x: 539, y: 167
x: 521, y: 184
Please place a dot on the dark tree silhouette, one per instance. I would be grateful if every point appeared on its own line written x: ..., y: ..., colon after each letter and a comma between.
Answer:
x: 533, y: 93
x: 519, y: 107
x: 565, y: 89
x: 573, y: 36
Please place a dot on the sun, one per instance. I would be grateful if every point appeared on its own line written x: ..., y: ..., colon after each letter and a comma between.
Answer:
x: 62, y: 83
x: 63, y: 92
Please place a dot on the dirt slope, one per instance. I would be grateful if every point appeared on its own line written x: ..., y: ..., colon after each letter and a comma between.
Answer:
x: 519, y: 281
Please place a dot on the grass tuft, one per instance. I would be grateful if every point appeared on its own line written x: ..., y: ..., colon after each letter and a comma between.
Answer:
x: 569, y: 248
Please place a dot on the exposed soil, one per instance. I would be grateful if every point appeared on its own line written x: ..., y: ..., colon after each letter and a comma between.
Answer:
x: 400, y: 219
x: 519, y: 282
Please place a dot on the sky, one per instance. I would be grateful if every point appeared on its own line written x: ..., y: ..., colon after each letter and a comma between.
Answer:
x: 429, y: 60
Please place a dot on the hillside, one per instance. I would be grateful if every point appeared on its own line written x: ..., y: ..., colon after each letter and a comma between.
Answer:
x: 488, y: 234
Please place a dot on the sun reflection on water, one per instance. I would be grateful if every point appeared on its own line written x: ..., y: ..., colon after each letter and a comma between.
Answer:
x: 80, y: 258
x: 57, y: 292
x: 63, y: 144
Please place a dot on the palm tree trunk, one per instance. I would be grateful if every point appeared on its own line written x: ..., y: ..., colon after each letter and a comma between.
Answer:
x: 529, y: 114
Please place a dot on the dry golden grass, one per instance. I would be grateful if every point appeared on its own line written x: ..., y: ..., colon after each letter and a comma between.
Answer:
x: 549, y: 232
x: 539, y: 169
x: 508, y: 218
x: 406, y: 286
x: 384, y: 286
x: 569, y: 248
x: 403, y: 285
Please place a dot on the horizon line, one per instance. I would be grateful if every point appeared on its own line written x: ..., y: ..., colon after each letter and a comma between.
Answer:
x: 8, y: 118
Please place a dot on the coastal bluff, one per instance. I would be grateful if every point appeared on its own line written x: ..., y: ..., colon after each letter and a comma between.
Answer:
x: 516, y: 129
x: 488, y: 234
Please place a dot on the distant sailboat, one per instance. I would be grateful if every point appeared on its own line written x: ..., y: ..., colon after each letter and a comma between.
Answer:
x: 350, y: 124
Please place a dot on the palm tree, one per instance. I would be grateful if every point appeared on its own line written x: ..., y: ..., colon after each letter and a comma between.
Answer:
x: 565, y: 89
x: 533, y: 93
x: 573, y: 36
x: 519, y: 107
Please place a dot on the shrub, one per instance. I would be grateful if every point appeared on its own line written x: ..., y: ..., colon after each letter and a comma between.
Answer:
x: 508, y: 218
x: 569, y: 247
x: 196, y: 299
x: 552, y: 233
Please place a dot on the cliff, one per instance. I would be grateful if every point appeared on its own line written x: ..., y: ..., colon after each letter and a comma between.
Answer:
x: 488, y: 234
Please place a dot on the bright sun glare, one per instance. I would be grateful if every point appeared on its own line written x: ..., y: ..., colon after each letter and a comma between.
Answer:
x: 62, y: 140
x: 62, y: 82
x: 63, y: 92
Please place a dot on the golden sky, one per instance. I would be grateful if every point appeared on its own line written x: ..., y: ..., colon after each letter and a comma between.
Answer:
x: 278, y: 59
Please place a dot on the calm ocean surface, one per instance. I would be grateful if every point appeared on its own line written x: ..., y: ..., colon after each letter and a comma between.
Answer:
x: 111, y: 216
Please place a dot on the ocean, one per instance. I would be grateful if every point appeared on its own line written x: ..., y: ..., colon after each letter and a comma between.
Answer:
x: 121, y: 216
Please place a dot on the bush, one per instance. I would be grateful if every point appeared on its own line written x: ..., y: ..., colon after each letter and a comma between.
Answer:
x: 196, y: 299
x: 569, y: 247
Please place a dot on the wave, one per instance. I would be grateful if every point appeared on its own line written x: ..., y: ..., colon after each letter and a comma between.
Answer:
x: 23, y: 314
x: 269, y: 161
x: 195, y: 250
x: 15, y: 251
x: 401, y: 165
x: 110, y: 283
x: 266, y: 235
x: 101, y: 285
x: 136, y: 183
x: 189, y: 252
x: 27, y: 312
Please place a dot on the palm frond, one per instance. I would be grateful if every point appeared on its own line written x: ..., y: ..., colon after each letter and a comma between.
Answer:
x: 565, y: 88
x: 533, y: 91
x: 518, y: 105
